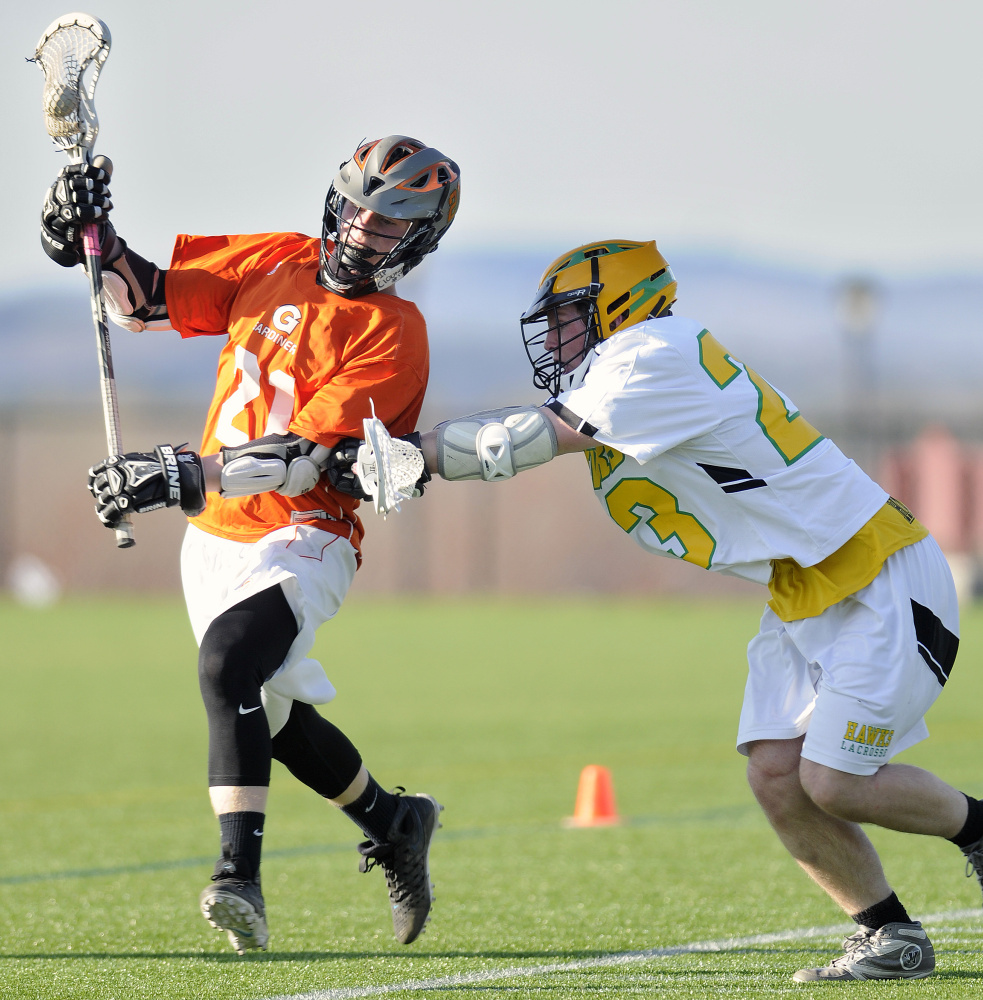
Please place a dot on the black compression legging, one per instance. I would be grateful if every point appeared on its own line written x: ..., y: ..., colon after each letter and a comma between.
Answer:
x: 241, y: 648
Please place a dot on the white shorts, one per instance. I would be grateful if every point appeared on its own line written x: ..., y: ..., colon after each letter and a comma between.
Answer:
x: 314, y: 568
x: 859, y: 678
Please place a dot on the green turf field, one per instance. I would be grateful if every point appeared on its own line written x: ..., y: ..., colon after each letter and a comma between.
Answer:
x: 494, y: 707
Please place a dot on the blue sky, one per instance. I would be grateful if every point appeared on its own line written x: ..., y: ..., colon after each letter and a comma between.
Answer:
x: 835, y: 135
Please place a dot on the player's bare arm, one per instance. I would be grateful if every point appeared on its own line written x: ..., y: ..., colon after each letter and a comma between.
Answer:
x: 569, y: 440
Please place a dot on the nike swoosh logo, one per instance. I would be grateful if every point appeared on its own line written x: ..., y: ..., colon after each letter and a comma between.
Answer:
x: 374, y: 800
x: 246, y: 711
x: 257, y: 833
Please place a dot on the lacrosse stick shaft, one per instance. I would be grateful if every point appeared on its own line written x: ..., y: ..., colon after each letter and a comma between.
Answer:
x: 107, y: 380
x: 71, y: 50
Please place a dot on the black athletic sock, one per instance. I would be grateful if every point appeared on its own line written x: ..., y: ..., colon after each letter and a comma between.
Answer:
x: 373, y: 811
x: 972, y: 829
x: 887, y: 911
x: 242, y: 842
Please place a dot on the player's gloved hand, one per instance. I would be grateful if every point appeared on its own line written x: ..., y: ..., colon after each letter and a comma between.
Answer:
x: 340, y: 468
x: 79, y: 195
x: 136, y: 482
x: 341, y: 472
x: 416, y: 440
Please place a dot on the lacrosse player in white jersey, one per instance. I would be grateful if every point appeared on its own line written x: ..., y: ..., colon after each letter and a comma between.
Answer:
x: 695, y: 456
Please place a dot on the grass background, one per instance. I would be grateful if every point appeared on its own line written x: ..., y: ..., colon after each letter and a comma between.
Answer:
x: 492, y: 706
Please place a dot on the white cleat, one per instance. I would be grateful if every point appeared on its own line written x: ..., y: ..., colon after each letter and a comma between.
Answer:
x: 896, y: 951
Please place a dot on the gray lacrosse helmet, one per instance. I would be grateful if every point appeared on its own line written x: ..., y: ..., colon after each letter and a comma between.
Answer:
x: 396, y: 177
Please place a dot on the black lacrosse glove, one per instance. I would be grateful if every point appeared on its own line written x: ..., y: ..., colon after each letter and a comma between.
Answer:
x: 341, y: 472
x: 79, y: 195
x: 135, y: 483
x: 425, y: 477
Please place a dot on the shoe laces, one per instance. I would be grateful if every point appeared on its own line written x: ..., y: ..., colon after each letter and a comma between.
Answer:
x: 855, y: 947
x: 405, y: 874
x: 401, y: 862
x: 858, y: 939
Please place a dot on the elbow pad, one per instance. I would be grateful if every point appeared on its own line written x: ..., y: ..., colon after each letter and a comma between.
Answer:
x: 495, y: 444
x: 134, y: 287
x: 278, y: 463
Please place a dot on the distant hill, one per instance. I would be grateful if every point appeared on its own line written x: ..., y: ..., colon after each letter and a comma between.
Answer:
x: 923, y: 358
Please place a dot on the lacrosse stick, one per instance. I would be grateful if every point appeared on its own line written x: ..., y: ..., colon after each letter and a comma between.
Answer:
x: 73, y: 47
x: 387, y: 467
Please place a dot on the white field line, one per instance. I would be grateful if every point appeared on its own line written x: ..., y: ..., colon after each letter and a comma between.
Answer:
x: 600, y: 961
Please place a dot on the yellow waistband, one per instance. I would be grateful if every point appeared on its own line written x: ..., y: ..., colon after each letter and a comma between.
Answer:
x: 803, y: 592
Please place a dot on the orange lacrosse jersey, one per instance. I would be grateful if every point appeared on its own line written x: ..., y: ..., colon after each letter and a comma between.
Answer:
x: 299, y: 359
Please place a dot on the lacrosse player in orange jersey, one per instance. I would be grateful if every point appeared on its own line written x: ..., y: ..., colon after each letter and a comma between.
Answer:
x: 697, y: 457
x: 314, y: 332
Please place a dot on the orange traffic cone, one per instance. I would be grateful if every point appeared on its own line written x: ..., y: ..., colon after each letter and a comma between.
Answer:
x: 595, y: 799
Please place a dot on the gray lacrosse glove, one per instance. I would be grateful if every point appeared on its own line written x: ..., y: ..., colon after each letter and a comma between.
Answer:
x: 136, y: 482
x: 79, y: 196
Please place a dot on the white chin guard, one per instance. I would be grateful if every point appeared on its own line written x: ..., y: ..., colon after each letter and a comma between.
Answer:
x: 495, y: 444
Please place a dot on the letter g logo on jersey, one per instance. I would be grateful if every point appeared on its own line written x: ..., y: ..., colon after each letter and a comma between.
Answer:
x: 286, y: 318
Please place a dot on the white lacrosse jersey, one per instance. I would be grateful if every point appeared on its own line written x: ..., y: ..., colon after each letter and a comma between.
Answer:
x: 700, y: 458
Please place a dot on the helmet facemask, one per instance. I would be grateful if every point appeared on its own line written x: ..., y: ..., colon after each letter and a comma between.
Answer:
x: 363, y: 251
x: 558, y: 332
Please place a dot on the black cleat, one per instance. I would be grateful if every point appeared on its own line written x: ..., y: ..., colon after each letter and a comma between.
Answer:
x: 974, y: 861
x: 404, y: 858
x: 234, y: 904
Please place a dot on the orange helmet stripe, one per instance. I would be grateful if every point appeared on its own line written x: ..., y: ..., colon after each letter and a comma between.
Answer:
x: 432, y: 178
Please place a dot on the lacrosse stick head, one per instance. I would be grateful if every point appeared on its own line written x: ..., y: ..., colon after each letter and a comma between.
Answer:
x: 71, y: 54
x: 387, y: 467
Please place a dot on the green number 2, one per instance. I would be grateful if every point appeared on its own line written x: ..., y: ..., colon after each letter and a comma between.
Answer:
x: 790, y: 434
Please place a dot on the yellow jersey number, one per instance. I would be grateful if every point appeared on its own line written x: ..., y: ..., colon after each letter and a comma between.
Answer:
x: 669, y: 523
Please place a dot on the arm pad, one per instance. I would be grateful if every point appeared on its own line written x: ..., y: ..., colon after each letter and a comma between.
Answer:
x: 282, y: 463
x: 134, y: 287
x: 494, y: 444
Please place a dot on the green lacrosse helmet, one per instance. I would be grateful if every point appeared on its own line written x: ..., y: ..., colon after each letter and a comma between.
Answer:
x: 616, y: 284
